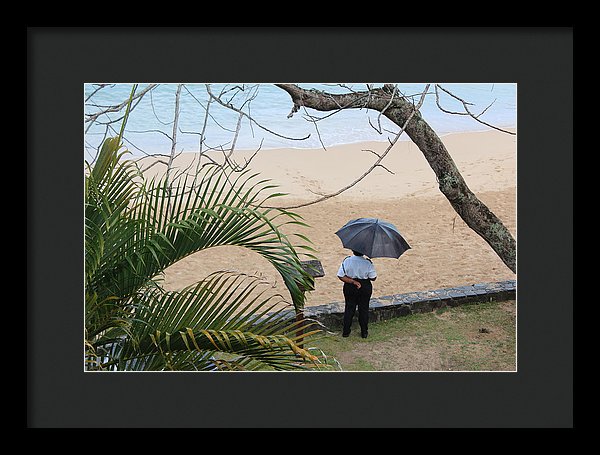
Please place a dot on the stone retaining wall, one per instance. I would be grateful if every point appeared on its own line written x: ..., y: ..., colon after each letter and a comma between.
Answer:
x: 391, y: 306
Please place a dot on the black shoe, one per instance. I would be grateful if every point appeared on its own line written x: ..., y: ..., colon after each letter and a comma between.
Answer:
x: 346, y: 335
x: 364, y: 334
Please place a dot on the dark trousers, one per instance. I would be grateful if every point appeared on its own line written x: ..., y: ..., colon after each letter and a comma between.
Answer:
x: 357, y: 298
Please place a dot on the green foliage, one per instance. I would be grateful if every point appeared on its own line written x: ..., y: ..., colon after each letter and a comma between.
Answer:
x: 135, y: 229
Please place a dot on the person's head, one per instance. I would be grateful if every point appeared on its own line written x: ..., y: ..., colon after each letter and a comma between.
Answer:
x: 356, y: 253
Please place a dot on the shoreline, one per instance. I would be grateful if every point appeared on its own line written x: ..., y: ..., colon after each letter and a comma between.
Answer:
x: 404, y: 137
x: 306, y: 174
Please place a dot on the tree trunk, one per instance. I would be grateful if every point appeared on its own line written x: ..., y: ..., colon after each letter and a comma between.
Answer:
x: 451, y: 183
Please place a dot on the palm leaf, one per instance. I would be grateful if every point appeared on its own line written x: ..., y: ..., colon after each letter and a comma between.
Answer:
x: 167, y: 224
x: 136, y: 228
x: 220, y: 323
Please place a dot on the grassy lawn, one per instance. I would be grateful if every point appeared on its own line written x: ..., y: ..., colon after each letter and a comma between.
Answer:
x: 476, y: 337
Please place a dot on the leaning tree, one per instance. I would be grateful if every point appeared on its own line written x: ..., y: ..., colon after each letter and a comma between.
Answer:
x: 403, y: 112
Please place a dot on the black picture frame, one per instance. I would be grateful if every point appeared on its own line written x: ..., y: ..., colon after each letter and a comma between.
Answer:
x: 61, y: 59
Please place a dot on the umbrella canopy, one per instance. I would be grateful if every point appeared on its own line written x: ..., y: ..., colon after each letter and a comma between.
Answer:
x: 373, y: 237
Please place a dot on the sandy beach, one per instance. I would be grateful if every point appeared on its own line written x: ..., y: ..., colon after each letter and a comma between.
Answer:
x: 445, y: 252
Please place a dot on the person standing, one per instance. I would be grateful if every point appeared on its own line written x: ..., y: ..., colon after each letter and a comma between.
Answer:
x: 357, y: 272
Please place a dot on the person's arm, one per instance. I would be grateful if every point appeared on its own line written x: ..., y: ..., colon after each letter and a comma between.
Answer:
x: 347, y: 279
x: 372, y: 273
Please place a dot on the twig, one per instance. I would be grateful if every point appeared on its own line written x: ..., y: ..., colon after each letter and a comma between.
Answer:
x: 238, y: 168
x: 206, y: 108
x: 378, y: 156
x: 251, y: 98
x: 174, y: 135
x: 490, y: 105
x: 110, y: 121
x: 235, y: 136
x: 100, y: 87
x: 118, y: 107
x: 454, y: 96
x: 150, y: 131
x: 227, y: 157
x: 393, y: 89
x: 154, y: 163
x: 202, y: 133
x: 316, y: 127
x: 466, y: 108
x: 347, y: 87
x: 386, y: 169
x: 182, y: 172
x: 318, y: 193
x: 154, y: 111
x: 437, y: 101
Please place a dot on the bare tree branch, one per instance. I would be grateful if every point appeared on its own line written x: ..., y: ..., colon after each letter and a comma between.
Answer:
x: 233, y: 108
x: 394, y: 90
x: 235, y: 136
x: 227, y: 156
x: 118, y: 107
x: 466, y: 108
x: 311, y: 119
x: 151, y: 131
x: 154, y: 111
x: 110, y: 121
x: 206, y: 109
x: 376, y: 164
x: 236, y: 167
x: 490, y: 105
x: 100, y: 87
x: 174, y: 135
x: 154, y: 163
x: 378, y: 156
x: 202, y: 136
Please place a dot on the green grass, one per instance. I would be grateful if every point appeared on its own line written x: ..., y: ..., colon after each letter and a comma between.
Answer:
x: 448, y: 339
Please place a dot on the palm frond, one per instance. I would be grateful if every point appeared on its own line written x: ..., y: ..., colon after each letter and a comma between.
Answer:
x: 136, y: 228
x: 224, y: 321
x: 164, y: 224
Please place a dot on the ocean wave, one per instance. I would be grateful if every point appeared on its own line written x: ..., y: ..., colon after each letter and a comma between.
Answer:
x: 149, y: 128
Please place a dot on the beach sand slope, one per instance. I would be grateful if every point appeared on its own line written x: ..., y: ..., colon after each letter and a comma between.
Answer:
x: 444, y: 251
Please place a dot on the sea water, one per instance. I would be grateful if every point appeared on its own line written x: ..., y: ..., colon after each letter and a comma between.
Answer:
x: 149, y: 129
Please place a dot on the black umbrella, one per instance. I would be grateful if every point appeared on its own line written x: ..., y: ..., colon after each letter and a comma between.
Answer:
x: 373, y: 237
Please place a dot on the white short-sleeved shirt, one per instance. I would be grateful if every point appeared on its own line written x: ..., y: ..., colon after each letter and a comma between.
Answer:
x: 357, y: 267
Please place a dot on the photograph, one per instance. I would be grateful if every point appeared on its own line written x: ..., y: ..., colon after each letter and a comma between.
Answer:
x: 300, y: 227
